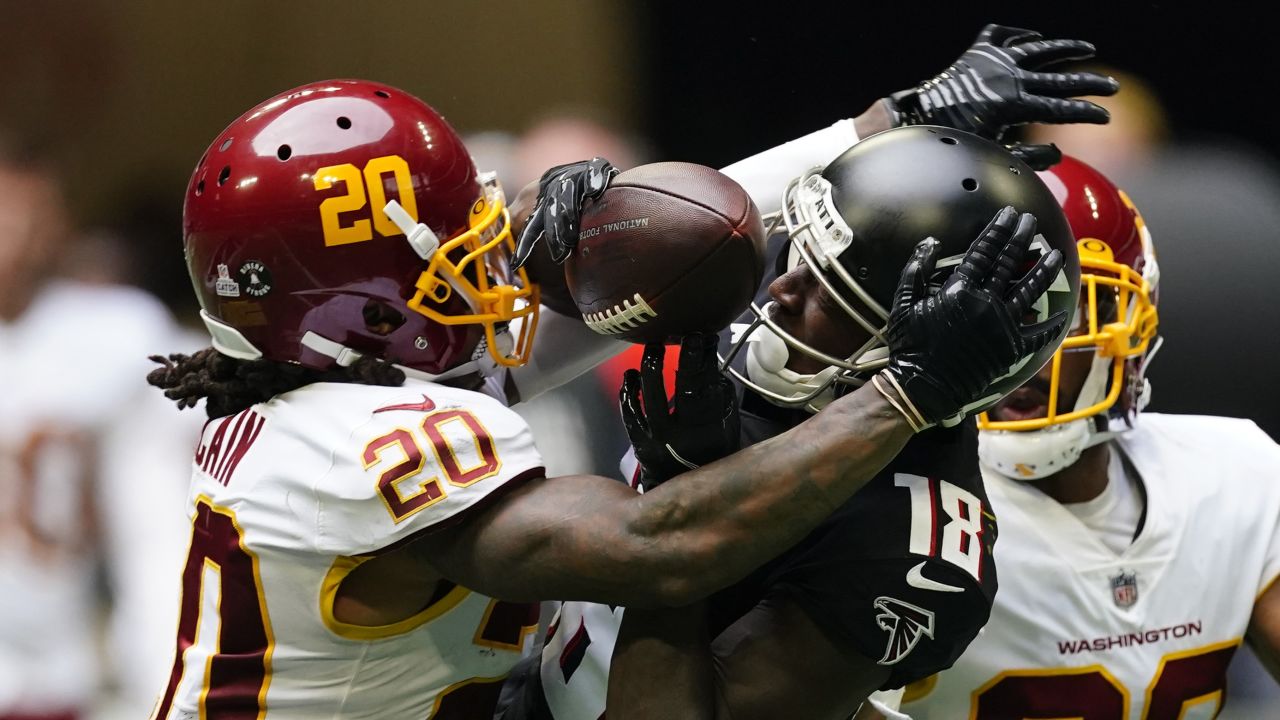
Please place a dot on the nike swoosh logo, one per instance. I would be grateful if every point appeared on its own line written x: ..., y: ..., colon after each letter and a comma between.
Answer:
x: 425, y: 406
x: 916, y: 579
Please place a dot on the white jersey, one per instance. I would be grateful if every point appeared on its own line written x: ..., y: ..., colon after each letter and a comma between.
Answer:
x: 72, y: 368
x: 1079, y: 631
x: 290, y: 496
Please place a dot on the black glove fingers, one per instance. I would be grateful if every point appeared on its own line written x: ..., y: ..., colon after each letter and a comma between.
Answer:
x: 728, y: 395
x: 982, y: 254
x: 1034, y: 283
x: 1068, y: 85
x: 563, y: 208
x: 915, y: 275
x: 697, y: 378
x: 699, y: 364
x: 1004, y: 35
x: 556, y: 173
x: 1009, y: 261
x: 530, y: 234
x: 557, y: 213
x: 1050, y: 110
x: 1039, y: 53
x: 599, y: 173
x: 653, y: 386
x: 1036, y: 337
x: 633, y: 417
x: 1038, y: 157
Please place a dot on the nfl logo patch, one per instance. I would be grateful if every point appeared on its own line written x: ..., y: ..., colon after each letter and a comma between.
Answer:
x: 224, y: 285
x: 1124, y: 589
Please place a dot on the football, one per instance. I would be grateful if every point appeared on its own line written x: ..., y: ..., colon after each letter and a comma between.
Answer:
x: 670, y: 248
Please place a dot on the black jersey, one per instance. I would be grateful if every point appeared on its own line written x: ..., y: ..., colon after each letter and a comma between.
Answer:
x: 902, y: 573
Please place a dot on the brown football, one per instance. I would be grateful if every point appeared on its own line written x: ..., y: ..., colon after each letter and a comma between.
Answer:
x: 669, y: 249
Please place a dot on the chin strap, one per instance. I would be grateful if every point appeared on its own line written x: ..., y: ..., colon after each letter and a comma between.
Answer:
x: 228, y: 340
x: 345, y: 357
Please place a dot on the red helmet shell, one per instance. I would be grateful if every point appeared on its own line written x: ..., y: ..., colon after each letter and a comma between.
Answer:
x: 1098, y: 210
x: 284, y: 231
x: 1095, y: 208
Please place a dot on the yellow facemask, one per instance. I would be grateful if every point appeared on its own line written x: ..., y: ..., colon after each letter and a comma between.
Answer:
x: 1117, y: 320
x: 482, y: 273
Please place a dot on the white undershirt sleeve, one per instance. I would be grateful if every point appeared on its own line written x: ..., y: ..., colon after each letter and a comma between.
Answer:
x: 765, y: 175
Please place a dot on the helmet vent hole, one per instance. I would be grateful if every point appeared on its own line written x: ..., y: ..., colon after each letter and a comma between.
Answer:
x: 948, y: 140
x: 224, y: 175
x: 200, y: 187
x: 969, y: 184
x: 344, y: 122
x: 382, y: 319
x: 283, y: 152
x: 381, y: 93
x: 1014, y: 170
x: 225, y: 144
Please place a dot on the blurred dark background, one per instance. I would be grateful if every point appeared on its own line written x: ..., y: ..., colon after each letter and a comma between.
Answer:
x: 1194, y: 142
x: 126, y: 94
x: 724, y: 80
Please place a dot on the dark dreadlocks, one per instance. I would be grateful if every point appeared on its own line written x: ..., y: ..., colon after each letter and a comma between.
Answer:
x: 229, y: 385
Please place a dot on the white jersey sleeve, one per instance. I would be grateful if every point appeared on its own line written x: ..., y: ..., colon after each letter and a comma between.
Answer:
x: 414, y: 458
x: 1248, y: 462
x: 765, y: 175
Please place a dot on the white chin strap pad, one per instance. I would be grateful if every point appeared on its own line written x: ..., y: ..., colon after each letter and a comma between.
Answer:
x: 228, y: 340
x: 1034, y: 454
x: 767, y: 356
x: 481, y: 361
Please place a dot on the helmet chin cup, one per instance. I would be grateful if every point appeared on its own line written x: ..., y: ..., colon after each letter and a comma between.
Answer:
x: 1036, y: 454
x: 767, y: 357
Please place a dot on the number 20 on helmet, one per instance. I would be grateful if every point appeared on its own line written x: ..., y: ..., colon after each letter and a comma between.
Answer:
x: 346, y: 218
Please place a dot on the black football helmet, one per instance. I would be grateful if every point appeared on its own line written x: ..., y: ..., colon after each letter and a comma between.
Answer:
x: 856, y: 222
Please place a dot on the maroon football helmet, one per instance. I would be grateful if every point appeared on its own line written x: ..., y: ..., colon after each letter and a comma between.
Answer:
x: 1116, y: 323
x: 344, y: 218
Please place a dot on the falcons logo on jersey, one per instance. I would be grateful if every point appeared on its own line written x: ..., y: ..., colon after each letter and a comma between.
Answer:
x: 905, y: 624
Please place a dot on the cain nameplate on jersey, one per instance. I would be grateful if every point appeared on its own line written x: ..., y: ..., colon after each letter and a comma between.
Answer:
x: 1124, y: 589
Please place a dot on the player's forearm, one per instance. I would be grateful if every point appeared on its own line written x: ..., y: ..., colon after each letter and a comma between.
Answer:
x: 663, y: 666
x: 1264, y: 630
x: 594, y: 539
x: 708, y: 528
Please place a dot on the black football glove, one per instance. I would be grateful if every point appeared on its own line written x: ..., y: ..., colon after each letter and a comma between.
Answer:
x: 562, y: 193
x: 1039, y: 157
x: 701, y: 426
x: 945, y: 349
x: 997, y: 84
